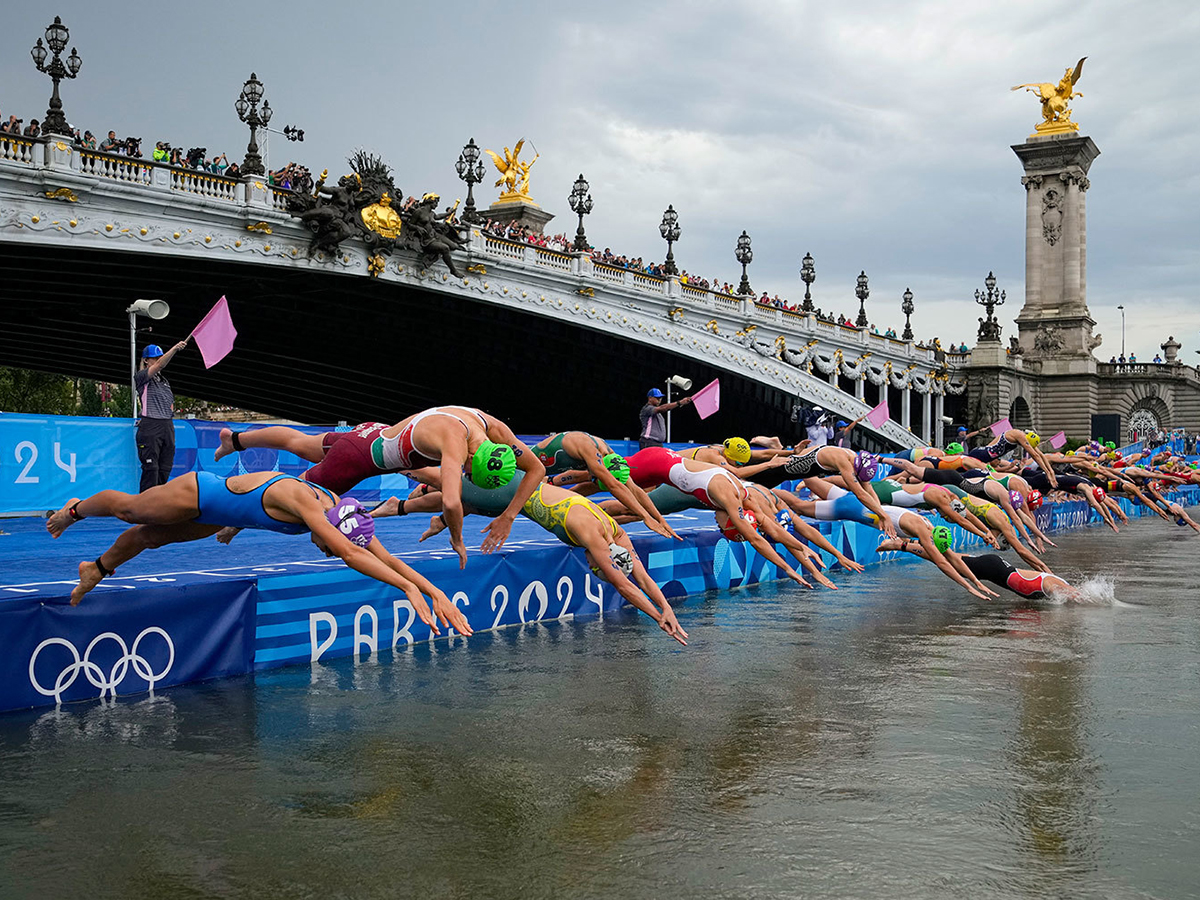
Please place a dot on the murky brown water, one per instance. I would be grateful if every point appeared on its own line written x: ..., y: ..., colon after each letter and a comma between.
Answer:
x: 895, y: 739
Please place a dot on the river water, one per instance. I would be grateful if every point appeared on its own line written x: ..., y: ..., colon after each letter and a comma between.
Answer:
x: 894, y: 739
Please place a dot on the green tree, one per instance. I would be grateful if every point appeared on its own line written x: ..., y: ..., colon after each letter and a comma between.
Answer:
x: 26, y: 391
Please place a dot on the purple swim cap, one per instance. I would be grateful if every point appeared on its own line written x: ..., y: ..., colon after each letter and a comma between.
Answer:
x: 348, y: 517
x: 865, y: 465
x: 1015, y: 498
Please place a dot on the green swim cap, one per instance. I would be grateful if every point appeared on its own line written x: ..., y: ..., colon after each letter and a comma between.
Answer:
x: 942, y: 538
x: 616, y: 464
x: 1110, y: 446
x: 954, y: 449
x: 493, y: 465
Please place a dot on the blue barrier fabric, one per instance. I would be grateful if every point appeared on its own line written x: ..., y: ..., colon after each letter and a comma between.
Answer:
x: 124, y: 642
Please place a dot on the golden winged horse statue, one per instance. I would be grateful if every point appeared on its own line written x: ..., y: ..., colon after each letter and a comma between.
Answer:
x: 1055, y: 97
x: 514, y: 172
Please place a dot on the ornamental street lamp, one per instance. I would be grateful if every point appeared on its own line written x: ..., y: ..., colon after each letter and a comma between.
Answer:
x: 743, y: 254
x: 248, y: 112
x: 907, y: 307
x: 862, y: 292
x: 470, y: 170
x: 581, y: 204
x: 808, y: 274
x: 57, y: 36
x: 669, y: 229
x: 989, y: 328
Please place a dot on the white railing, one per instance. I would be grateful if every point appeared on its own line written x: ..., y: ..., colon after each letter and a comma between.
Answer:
x: 499, y: 247
x: 280, y: 198
x: 696, y: 295
x: 765, y: 312
x: 118, y: 168
x: 205, y: 185
x: 649, y: 283
x: 724, y: 300
x: 552, y: 259
x: 18, y: 149
x: 609, y: 273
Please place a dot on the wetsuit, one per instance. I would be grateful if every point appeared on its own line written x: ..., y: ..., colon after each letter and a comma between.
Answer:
x: 798, y: 466
x: 552, y: 517
x: 1000, y: 572
x: 993, y: 452
x: 219, y: 505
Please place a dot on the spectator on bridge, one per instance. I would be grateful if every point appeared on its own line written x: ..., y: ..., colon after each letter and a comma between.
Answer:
x: 234, y: 171
x: 1132, y: 357
x: 89, y: 141
x: 162, y: 152
x: 1113, y: 361
x: 1157, y: 358
x: 110, y: 144
x: 653, y: 425
x: 156, y: 427
x: 32, y: 129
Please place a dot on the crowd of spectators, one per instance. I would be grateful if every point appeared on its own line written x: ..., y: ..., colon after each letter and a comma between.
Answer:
x: 512, y: 231
x: 13, y: 126
x: 292, y: 177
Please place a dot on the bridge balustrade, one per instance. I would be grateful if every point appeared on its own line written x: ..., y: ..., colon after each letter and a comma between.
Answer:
x: 1153, y: 370
x: 18, y: 149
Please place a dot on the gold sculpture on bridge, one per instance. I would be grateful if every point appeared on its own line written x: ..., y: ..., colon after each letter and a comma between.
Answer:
x: 514, y: 173
x: 1055, y: 97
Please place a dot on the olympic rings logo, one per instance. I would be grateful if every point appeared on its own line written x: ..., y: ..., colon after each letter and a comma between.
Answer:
x: 96, y: 675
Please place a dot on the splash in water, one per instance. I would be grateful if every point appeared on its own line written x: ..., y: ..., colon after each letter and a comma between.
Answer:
x: 1098, y: 590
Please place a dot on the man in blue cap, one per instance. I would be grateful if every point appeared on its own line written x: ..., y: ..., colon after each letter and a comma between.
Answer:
x: 653, y: 425
x: 156, y: 427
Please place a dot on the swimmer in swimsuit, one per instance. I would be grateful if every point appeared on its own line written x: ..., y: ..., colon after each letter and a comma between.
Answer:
x: 571, y: 457
x: 197, y: 505
x: 1014, y: 439
x: 996, y: 569
x: 994, y: 518
x: 737, y: 454
x: 449, y: 438
x: 577, y: 522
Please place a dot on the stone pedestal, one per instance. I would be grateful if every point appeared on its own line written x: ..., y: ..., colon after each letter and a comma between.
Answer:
x: 522, y: 212
x: 1055, y: 321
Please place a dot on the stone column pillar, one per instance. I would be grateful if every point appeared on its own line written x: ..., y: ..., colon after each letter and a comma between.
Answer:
x: 939, y: 410
x: 860, y: 390
x: 925, y: 417
x: 906, y: 407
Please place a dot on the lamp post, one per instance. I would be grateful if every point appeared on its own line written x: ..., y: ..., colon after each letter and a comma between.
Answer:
x: 1121, y: 307
x: 57, y: 36
x: 580, y: 200
x: 684, y: 384
x: 743, y: 254
x: 470, y: 170
x: 248, y: 112
x: 989, y: 328
x: 669, y: 229
x: 808, y: 274
x: 907, y: 307
x: 862, y: 292
x: 152, y: 309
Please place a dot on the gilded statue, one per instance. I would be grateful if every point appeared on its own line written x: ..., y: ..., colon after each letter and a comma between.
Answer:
x: 381, y: 218
x: 514, y: 172
x: 1056, y: 117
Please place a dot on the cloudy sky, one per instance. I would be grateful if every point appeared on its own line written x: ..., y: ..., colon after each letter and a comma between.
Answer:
x: 874, y: 135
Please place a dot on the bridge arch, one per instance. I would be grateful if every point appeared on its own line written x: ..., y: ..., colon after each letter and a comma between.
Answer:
x: 1019, y: 413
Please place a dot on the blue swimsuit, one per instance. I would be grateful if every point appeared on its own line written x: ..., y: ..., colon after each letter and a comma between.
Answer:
x: 219, y: 505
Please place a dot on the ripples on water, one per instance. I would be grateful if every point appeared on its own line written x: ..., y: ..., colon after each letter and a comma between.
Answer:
x: 895, y: 739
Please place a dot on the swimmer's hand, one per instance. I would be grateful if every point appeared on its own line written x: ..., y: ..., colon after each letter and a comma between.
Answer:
x: 449, y: 614
x: 889, y: 527
x: 796, y: 577
x: 227, y: 534
x: 457, y: 545
x: 980, y: 595
x: 497, y: 533
x: 670, y: 625
x: 421, y: 607
x: 662, y: 528
x: 850, y: 565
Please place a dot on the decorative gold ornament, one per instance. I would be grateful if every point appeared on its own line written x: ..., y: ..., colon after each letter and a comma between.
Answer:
x: 711, y: 325
x: 375, y: 265
x: 108, y: 227
x: 63, y: 193
x: 264, y: 227
x: 477, y: 269
x: 514, y: 174
x: 381, y: 218
x: 676, y: 311
x: 35, y: 219
x: 208, y: 239
x: 73, y: 222
x: 1056, y: 117
x: 177, y: 235
x: 237, y: 243
x: 144, y: 230
x: 586, y: 292
x: 267, y: 248
x: 61, y: 147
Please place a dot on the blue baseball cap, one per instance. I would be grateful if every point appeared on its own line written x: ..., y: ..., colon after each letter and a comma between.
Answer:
x: 962, y: 429
x: 654, y: 392
x: 152, y: 351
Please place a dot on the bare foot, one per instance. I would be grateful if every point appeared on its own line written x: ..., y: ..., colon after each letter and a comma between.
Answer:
x: 436, y: 526
x: 227, y: 534
x: 226, y: 447
x: 61, y: 520
x: 89, y: 577
x: 389, y: 507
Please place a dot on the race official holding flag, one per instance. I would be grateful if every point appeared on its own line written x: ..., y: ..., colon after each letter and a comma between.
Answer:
x: 156, y: 427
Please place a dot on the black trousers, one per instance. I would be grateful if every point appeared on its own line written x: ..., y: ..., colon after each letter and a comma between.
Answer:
x: 643, y: 443
x: 156, y: 450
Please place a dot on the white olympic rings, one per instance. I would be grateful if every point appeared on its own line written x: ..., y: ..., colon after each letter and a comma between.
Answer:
x: 93, y: 672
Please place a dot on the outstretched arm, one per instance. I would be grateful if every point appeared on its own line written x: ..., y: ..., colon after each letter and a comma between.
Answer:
x: 497, y: 530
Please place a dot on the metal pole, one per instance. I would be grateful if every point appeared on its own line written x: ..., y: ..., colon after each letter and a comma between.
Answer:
x: 133, y: 362
x: 668, y: 411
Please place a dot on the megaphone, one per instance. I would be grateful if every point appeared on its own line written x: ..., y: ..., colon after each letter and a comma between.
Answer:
x: 154, y: 309
x: 684, y: 384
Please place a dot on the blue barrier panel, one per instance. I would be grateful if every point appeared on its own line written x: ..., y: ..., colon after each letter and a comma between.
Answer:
x: 124, y: 641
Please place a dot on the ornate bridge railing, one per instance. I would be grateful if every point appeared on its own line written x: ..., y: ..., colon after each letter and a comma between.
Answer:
x: 121, y: 202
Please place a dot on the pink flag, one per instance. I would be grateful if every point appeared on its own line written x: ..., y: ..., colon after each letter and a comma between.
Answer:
x: 879, y: 415
x: 215, y: 333
x: 998, y: 428
x: 1058, y: 440
x: 707, y: 400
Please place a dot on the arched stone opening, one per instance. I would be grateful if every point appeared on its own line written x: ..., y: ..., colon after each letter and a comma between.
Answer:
x: 1019, y: 414
x: 1147, y: 416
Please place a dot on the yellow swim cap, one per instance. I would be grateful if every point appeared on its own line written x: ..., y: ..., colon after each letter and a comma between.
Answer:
x: 737, y: 450
x: 1034, y: 438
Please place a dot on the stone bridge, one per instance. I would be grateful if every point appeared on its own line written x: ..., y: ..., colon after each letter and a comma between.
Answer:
x: 526, y: 331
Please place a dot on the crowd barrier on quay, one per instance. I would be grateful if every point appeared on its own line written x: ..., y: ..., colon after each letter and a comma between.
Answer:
x: 200, y: 611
